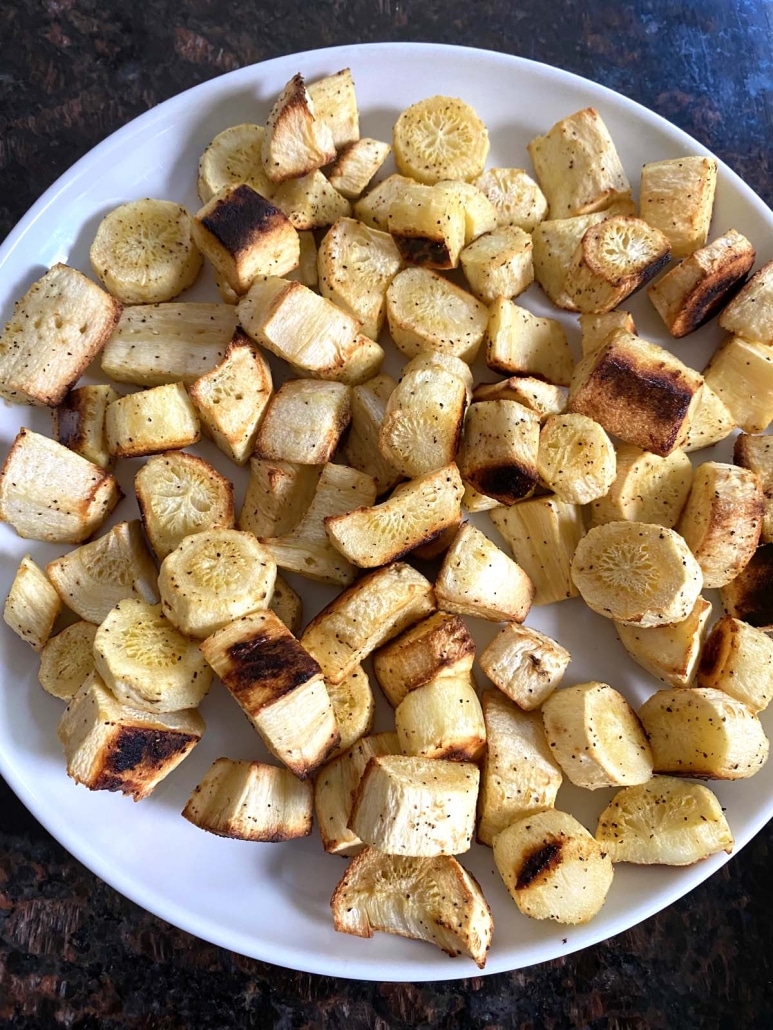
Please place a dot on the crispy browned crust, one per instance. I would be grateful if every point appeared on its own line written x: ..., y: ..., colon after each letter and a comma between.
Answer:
x: 422, y: 250
x: 240, y: 218
x: 750, y: 595
x: 134, y: 759
x: 506, y: 483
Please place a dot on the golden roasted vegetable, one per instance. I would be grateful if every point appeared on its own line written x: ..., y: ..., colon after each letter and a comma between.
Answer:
x: 303, y: 422
x: 646, y: 487
x: 442, y: 719
x: 79, y: 422
x: 575, y: 458
x: 738, y: 658
x: 677, y: 197
x: 162, y: 418
x: 67, y: 658
x: 670, y: 653
x: 525, y: 664
x: 440, y: 138
x: 519, y: 343
x: 32, y: 604
x: 498, y: 455
x: 750, y: 313
x: 295, y: 142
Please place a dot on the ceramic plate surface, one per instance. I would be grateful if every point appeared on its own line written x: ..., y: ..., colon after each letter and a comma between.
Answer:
x: 272, y: 901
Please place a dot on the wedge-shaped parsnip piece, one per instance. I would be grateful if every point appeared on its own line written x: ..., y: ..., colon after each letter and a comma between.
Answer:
x: 366, y: 615
x: 525, y: 664
x: 428, y: 226
x: 279, y: 687
x: 154, y: 344
x: 595, y: 736
x: 353, y: 706
x: 670, y: 653
x: 306, y: 547
x: 79, y: 422
x: 438, y: 646
x: 114, y: 746
x: 516, y: 197
x: 694, y: 291
x: 554, y: 243
x: 251, y: 801
x: 57, y: 328
x: 578, y: 166
x: 415, y: 513
x: 738, y: 658
x: 646, y: 487
x: 180, y: 494
x: 295, y: 141
x: 146, y: 662
x: 638, y: 391
x: 666, y: 821
x: 373, y: 208
x: 214, y: 577
x: 287, y: 604
x: 311, y: 202
x: 596, y: 328
x: 162, y: 418
x: 703, y: 732
x: 144, y: 251
x: 361, y: 449
x: 67, y: 658
x: 233, y: 157
x: 637, y: 573
x: 575, y: 458
x: 440, y: 138
x: 356, y: 164
x: 711, y: 421
x: 722, y: 519
x: 543, y: 398
x: 335, y: 105
x: 750, y: 313
x: 426, y: 899
x: 519, y: 343
x: 520, y: 775
x: 32, y: 604
x: 613, y: 260
x: 426, y: 312
x: 94, y: 577
x: 277, y: 496
x: 498, y: 455
x: 677, y: 197
x: 442, y: 719
x: 543, y: 534
x: 48, y: 492
x: 479, y: 213
x: 756, y: 454
x: 499, y: 263
x: 477, y: 578
x: 423, y: 418
x: 335, y: 786
x: 304, y: 422
x: 407, y: 805
x: 553, y: 867
x: 355, y: 265
x: 740, y: 372
x: 750, y: 595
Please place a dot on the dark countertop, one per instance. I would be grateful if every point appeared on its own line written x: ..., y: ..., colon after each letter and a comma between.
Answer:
x: 74, y: 953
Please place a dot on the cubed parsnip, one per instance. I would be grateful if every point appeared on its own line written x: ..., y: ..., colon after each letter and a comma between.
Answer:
x: 287, y: 604
x: 406, y: 805
x: 278, y: 495
x: 750, y: 595
x: 553, y: 867
x: 214, y: 577
x: 554, y: 243
x: 251, y: 801
x: 335, y: 105
x: 175, y: 342
x: 306, y: 547
x: 426, y: 312
x: 442, y: 719
x: 366, y: 615
x: 596, y: 328
x: 32, y: 604
x: 278, y: 686
x: 479, y: 213
x: 438, y: 138
x: 756, y: 454
x: 57, y: 328
x: 670, y: 653
x: 295, y: 142
x: 428, y: 226
x: 426, y: 899
x: 48, y: 492
x: 750, y: 313
x: 703, y: 732
x: 373, y: 208
x: 711, y: 422
x: 666, y: 821
x: 543, y: 534
x: 477, y: 578
x: 79, y: 422
x: 438, y: 646
x: 498, y: 453
x: 67, y: 658
x: 360, y: 449
x: 146, y: 662
x: 162, y: 418
x: 738, y: 658
x: 498, y: 263
x: 353, y: 706
x: 638, y: 391
x: 516, y: 197
x: 740, y: 372
x: 520, y: 343
x: 677, y: 197
x: 543, y: 398
x: 311, y: 202
x: 578, y: 166
x: 415, y: 513
x: 646, y: 487
x: 232, y: 157
x: 304, y: 422
x: 525, y: 664
x: 114, y: 746
x: 93, y: 578
x: 355, y: 166
x: 575, y: 458
x: 520, y: 775
x: 231, y: 398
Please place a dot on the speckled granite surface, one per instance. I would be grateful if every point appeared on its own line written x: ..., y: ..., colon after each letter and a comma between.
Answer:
x: 75, y: 954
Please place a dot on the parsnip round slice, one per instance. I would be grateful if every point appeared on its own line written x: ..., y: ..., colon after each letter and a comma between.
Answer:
x: 553, y: 867
x: 637, y: 573
x: 67, y: 658
x: 234, y: 156
x: 666, y: 821
x: 575, y: 458
x: 440, y: 138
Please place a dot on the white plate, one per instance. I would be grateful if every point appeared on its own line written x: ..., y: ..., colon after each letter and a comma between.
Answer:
x: 271, y: 901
